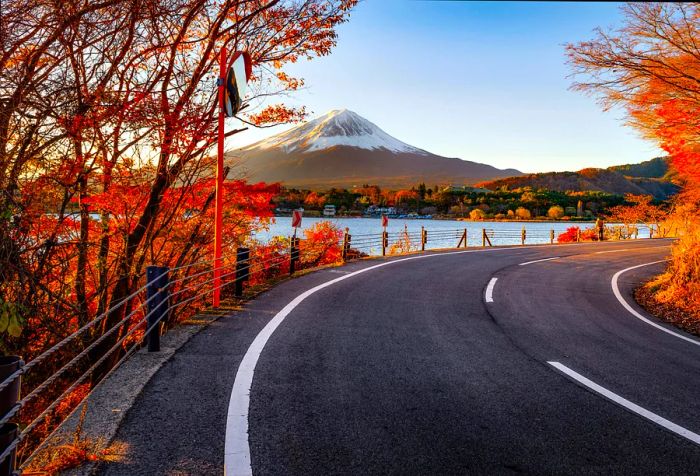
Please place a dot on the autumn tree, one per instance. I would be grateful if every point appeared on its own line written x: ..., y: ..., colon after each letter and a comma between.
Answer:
x: 107, y: 121
x: 639, y: 209
x: 650, y: 67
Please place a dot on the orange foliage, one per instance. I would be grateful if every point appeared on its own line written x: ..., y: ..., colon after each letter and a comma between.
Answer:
x: 651, y: 68
x: 315, y: 200
x: 108, y: 169
x: 638, y: 210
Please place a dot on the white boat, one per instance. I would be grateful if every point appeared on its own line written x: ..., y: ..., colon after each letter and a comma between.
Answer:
x: 329, y: 211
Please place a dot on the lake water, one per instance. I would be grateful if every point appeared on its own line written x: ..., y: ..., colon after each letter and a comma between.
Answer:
x: 366, y: 232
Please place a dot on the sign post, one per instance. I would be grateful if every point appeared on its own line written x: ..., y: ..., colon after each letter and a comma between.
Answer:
x: 219, y: 220
x: 296, y: 220
x: 232, y: 89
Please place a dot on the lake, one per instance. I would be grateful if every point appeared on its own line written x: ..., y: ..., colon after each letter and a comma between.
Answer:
x: 366, y: 232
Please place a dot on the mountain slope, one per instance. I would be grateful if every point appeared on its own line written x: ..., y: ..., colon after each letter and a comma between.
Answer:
x: 603, y: 180
x: 342, y: 149
x: 654, y: 168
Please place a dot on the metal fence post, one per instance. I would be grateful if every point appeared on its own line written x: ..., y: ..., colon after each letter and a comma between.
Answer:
x: 551, y: 237
x: 157, y: 277
x: 293, y: 255
x: 242, y: 269
x: 9, y: 396
x: 522, y: 236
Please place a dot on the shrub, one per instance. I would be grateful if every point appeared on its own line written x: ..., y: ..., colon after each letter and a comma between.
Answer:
x: 680, y: 284
x: 569, y: 236
x: 555, y: 212
x: 523, y: 213
x: 589, y: 234
x: 321, y: 245
x: 477, y: 214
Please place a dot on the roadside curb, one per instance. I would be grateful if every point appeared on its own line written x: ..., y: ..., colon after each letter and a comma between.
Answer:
x: 109, y: 402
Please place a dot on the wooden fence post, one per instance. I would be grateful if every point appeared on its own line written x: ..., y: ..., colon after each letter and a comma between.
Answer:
x: 463, y: 238
x: 522, y: 236
x: 385, y: 242
x: 346, y: 243
x: 423, y: 238
x: 293, y: 255
x: 551, y: 237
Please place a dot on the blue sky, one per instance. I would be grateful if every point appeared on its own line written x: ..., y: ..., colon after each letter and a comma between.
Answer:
x: 482, y: 81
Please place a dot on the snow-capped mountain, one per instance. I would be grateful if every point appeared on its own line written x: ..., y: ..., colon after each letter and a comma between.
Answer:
x: 337, y: 127
x: 343, y: 149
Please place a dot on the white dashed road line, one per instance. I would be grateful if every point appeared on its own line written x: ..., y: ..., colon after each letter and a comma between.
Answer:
x: 632, y: 407
x: 489, y: 290
x: 539, y: 261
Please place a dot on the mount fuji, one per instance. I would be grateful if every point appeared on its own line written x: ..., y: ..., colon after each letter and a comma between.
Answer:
x: 343, y: 149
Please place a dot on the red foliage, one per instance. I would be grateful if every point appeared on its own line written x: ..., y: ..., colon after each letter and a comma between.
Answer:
x: 569, y: 236
x: 572, y: 233
x: 321, y: 245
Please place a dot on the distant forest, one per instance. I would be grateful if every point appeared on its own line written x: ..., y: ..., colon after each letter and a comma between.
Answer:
x: 453, y: 202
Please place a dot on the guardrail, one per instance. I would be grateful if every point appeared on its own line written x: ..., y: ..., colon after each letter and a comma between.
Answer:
x: 385, y: 243
x: 93, y: 352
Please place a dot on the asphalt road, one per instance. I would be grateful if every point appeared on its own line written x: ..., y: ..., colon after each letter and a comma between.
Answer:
x: 406, y: 369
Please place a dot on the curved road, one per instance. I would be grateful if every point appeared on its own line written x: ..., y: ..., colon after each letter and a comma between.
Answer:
x: 429, y: 365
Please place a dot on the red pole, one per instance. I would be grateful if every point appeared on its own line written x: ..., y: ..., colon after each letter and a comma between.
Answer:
x: 219, y: 183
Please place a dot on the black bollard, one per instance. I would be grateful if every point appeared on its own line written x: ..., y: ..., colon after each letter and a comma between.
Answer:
x: 8, y: 434
x: 242, y: 269
x: 9, y: 396
x: 157, y: 277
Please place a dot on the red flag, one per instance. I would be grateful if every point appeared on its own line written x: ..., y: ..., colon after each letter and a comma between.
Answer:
x: 296, y: 218
x: 385, y: 221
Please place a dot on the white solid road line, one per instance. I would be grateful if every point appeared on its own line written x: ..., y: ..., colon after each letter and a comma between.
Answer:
x: 538, y: 261
x: 489, y: 290
x: 626, y: 305
x: 669, y: 425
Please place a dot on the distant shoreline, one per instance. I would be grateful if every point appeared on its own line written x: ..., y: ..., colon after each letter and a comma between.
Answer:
x: 350, y: 217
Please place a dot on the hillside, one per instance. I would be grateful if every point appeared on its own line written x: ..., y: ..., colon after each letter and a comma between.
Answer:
x: 343, y: 149
x: 654, y: 168
x: 602, y: 180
